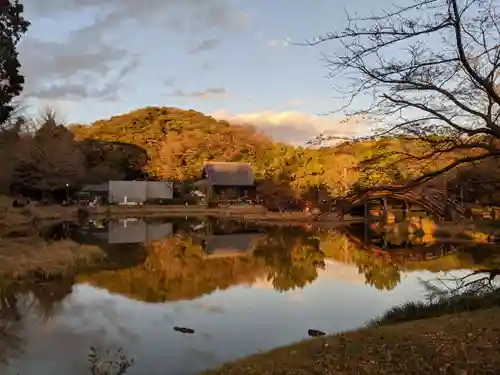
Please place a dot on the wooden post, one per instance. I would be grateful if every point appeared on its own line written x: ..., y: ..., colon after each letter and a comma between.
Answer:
x: 209, y: 195
x: 386, y: 210
x: 461, y: 195
x: 367, y: 221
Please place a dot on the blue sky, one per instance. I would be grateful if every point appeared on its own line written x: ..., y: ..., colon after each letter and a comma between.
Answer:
x: 228, y: 58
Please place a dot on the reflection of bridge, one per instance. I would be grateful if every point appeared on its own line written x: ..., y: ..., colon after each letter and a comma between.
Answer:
x: 433, y: 201
x: 362, y: 236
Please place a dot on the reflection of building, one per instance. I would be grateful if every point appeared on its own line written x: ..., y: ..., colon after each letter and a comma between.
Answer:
x: 226, y: 180
x: 128, y: 191
x: 230, y: 245
x: 227, y: 238
x: 135, y: 231
x: 131, y: 231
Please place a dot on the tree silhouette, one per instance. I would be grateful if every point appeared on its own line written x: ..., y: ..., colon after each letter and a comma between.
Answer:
x: 52, y: 159
x: 432, y: 71
x: 12, y: 28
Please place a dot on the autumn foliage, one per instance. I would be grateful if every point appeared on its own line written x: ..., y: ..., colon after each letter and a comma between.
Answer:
x: 171, y: 143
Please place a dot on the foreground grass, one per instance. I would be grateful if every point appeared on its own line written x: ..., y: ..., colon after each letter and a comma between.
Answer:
x: 417, y: 310
x: 33, y: 258
x: 464, y: 343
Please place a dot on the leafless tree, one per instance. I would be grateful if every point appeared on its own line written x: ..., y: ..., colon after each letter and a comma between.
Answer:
x: 429, y: 69
x: 51, y: 159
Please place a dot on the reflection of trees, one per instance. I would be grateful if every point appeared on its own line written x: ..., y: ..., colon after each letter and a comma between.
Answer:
x: 11, y: 340
x: 380, y: 273
x: 292, y: 257
x: 176, y: 268
x: 383, y: 270
x: 483, y: 280
x: 19, y: 302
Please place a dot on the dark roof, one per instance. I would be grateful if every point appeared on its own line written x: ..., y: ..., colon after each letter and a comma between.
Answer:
x: 228, y: 174
x: 95, y: 188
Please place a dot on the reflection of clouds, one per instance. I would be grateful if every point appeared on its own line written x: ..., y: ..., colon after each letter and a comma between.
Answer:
x: 296, y: 296
x: 210, y: 308
x: 337, y: 271
x: 263, y: 283
x: 203, y: 356
x: 229, y: 324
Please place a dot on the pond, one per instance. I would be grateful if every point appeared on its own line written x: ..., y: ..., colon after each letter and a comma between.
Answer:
x: 236, y: 288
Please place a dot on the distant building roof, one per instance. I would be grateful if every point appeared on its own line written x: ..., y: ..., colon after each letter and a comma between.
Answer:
x: 96, y: 188
x: 228, y: 174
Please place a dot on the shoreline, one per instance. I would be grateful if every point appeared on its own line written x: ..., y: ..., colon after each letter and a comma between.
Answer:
x: 16, y: 218
x: 461, y: 343
x: 256, y: 214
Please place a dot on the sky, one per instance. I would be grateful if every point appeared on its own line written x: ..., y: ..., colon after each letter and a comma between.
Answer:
x: 232, y: 59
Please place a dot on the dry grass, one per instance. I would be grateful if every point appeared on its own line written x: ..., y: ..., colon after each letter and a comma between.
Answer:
x: 416, y: 310
x: 25, y: 258
x: 12, y: 216
x: 459, y: 344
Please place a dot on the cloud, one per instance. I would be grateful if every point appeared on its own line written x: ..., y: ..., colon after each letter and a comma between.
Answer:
x: 91, y: 54
x: 273, y: 43
x: 181, y: 15
x: 206, y: 66
x: 293, y: 126
x: 54, y: 72
x: 205, y: 45
x: 294, y: 102
x: 208, y: 94
x: 169, y: 82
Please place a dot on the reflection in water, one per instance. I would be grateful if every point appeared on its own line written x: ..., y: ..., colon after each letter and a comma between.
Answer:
x: 232, y: 287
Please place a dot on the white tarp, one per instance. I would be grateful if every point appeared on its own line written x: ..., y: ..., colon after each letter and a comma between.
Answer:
x: 127, y: 191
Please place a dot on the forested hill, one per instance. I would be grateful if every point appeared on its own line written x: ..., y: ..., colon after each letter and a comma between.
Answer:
x: 178, y: 142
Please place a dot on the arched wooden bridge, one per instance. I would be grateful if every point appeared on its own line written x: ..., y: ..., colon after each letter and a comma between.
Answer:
x: 433, y: 201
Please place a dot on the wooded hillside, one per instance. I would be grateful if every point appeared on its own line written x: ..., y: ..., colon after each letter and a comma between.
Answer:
x: 171, y: 143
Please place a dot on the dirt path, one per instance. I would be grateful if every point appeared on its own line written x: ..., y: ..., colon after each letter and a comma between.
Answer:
x: 461, y: 344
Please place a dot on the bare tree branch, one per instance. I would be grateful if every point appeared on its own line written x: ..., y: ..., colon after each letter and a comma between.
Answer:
x: 429, y: 68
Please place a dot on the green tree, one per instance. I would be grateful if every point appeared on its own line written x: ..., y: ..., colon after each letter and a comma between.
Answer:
x: 12, y: 27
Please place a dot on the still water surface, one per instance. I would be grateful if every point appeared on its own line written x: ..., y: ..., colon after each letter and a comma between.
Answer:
x: 241, y: 288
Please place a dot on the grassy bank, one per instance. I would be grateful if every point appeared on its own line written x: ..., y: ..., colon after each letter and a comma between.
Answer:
x: 417, y: 310
x: 21, y: 216
x: 465, y: 343
x: 33, y: 258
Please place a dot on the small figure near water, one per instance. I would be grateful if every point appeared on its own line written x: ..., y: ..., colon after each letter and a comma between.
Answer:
x: 184, y: 330
x: 315, y: 333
